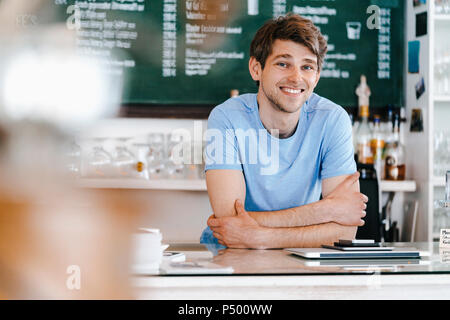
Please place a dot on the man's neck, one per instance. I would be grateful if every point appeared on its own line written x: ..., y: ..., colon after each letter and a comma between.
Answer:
x: 274, y: 119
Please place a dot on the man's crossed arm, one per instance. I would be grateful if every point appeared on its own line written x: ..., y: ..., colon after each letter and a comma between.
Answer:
x: 336, y: 216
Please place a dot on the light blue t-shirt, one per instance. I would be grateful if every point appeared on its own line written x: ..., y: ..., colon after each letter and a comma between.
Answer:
x: 279, y: 173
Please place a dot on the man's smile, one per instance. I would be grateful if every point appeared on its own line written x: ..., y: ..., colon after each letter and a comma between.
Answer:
x: 292, y: 91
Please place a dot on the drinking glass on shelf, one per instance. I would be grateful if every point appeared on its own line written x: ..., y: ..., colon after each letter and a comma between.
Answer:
x: 446, y: 77
x: 73, y: 160
x: 436, y: 216
x: 175, y: 166
x: 194, y: 169
x: 446, y: 6
x: 439, y: 76
x: 441, y: 152
x: 157, y: 143
x: 99, y: 161
x: 442, y: 6
x: 174, y: 169
x: 442, y: 219
x: 155, y: 163
x: 438, y: 137
x: 124, y: 161
x: 445, y: 150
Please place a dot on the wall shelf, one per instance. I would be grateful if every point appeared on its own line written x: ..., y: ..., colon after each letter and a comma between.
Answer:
x: 163, y: 184
x: 442, y: 98
x: 398, y: 186
x: 439, y: 181
x: 200, y: 185
x: 442, y: 17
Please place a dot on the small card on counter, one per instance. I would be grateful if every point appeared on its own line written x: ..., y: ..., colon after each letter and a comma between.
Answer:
x: 444, y: 238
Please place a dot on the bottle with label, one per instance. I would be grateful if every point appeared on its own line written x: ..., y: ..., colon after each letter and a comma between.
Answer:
x: 377, y: 146
x: 363, y: 134
x: 355, y: 125
x: 389, y: 126
x: 395, y: 167
x: 363, y: 137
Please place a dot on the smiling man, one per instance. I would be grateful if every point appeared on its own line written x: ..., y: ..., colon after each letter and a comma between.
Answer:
x: 308, y: 137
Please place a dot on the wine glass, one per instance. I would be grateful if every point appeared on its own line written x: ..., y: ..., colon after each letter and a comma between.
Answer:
x: 446, y: 70
x: 124, y: 161
x: 446, y: 6
x: 99, y: 161
x: 157, y: 143
x: 439, y: 72
x: 438, y: 141
x: 156, y: 164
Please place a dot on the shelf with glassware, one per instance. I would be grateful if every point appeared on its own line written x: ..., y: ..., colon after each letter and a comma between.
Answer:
x: 156, y: 163
x: 157, y: 184
x: 441, y: 212
x: 439, y: 65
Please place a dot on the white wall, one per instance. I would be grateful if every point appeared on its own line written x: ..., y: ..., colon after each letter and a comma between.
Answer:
x: 417, y: 143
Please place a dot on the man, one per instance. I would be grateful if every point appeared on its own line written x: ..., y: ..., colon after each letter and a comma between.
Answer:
x: 310, y: 136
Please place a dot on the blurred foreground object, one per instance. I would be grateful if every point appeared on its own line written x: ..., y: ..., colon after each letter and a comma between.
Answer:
x: 65, y: 246
x: 56, y: 241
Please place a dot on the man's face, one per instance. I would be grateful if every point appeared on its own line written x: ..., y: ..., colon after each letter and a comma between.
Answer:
x: 289, y: 76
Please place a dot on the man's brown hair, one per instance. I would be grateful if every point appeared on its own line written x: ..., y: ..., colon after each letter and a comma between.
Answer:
x: 290, y: 27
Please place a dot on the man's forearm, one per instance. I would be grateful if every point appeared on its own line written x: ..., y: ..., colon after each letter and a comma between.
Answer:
x: 306, y: 215
x: 306, y: 237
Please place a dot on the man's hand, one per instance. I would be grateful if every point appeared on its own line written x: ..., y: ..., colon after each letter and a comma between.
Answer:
x: 346, y: 205
x: 240, y: 231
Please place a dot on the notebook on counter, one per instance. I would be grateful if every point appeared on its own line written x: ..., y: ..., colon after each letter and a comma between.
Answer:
x: 368, y: 263
x: 325, y: 253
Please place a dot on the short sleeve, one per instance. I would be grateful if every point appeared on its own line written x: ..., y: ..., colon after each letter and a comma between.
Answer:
x: 221, y: 151
x: 338, y: 154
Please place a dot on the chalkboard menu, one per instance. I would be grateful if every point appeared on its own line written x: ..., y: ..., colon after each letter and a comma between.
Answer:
x: 193, y: 52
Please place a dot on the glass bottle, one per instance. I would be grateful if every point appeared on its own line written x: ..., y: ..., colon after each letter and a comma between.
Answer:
x: 389, y: 126
x: 395, y: 167
x: 363, y: 137
x: 377, y: 146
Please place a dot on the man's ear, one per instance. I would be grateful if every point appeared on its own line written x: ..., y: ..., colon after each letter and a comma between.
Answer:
x: 255, y: 69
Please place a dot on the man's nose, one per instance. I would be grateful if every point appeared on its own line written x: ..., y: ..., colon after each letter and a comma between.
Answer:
x: 296, y: 76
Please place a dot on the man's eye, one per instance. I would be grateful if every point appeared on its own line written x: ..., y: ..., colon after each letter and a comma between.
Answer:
x: 308, y: 67
x: 282, y: 64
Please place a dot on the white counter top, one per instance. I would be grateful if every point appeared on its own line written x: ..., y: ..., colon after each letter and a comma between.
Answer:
x: 431, y: 281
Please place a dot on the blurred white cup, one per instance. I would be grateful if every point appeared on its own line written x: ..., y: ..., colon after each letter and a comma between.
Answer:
x: 148, y: 250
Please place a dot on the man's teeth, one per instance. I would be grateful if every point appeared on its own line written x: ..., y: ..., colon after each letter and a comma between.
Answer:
x: 294, y: 91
